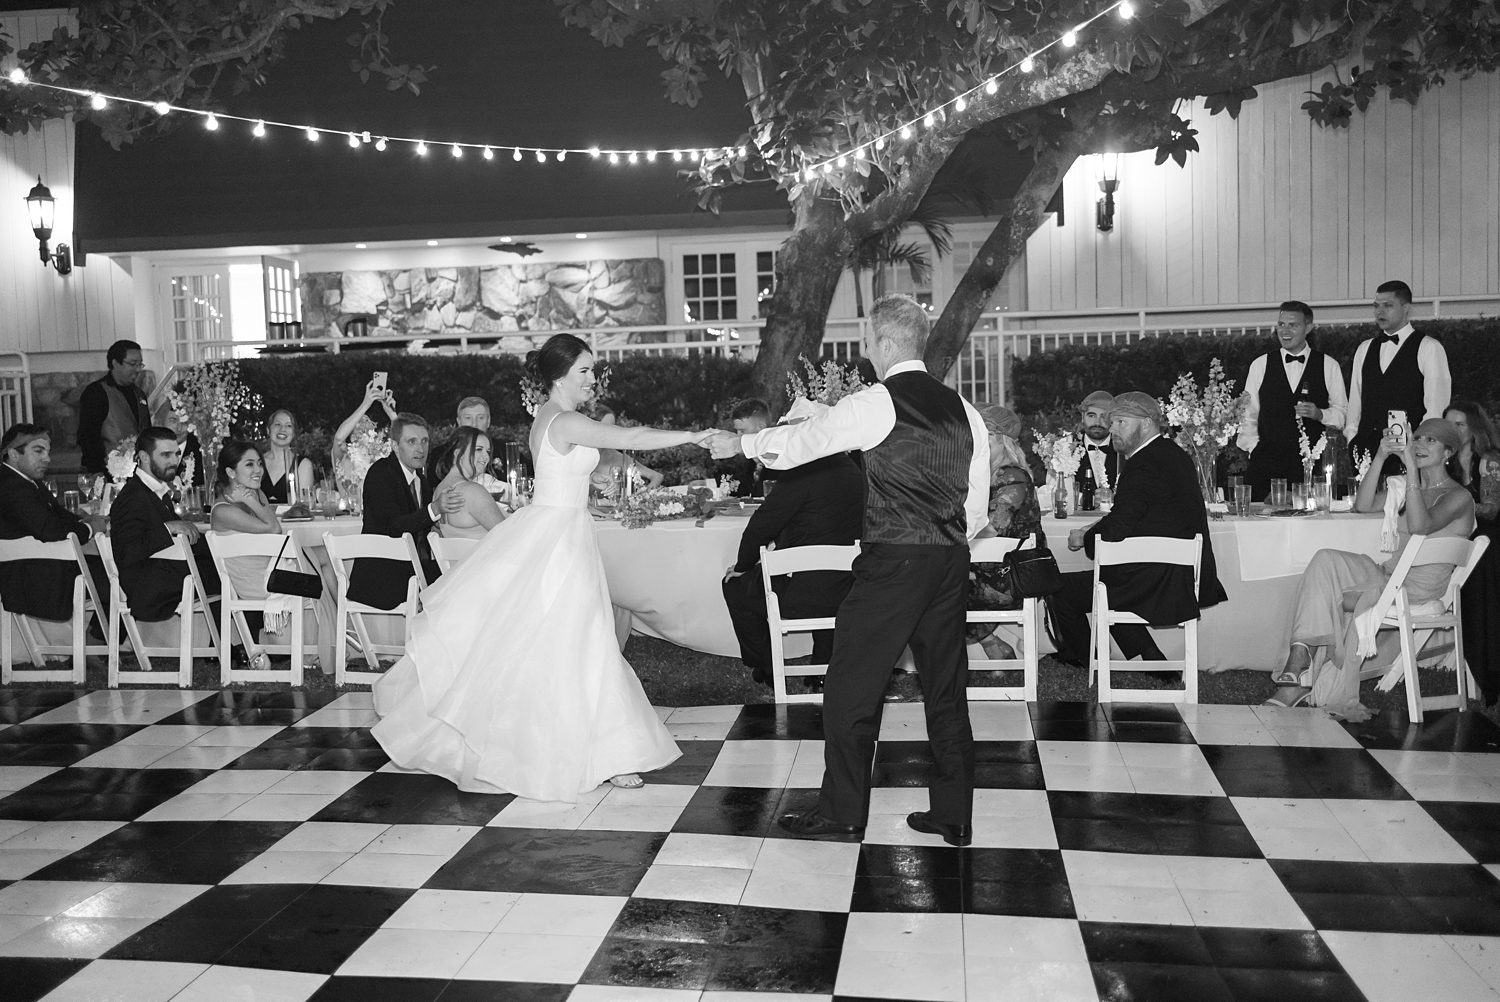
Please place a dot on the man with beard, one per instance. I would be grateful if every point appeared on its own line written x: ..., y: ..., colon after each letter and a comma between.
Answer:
x: 143, y: 522
x: 1158, y: 495
x: 1100, y: 466
x: 1292, y: 385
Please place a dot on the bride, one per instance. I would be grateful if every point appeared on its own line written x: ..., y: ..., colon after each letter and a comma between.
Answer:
x: 513, y: 681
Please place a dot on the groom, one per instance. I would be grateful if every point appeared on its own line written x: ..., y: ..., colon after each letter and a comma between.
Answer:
x: 926, y: 459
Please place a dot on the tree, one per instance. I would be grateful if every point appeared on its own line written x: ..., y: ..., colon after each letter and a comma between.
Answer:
x: 837, y: 90
x: 183, y: 52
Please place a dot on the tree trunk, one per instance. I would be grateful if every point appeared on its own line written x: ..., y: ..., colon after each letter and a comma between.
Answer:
x: 1005, y: 243
x: 808, y: 270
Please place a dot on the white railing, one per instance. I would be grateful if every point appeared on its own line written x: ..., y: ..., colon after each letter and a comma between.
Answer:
x: 981, y: 372
x: 15, y: 388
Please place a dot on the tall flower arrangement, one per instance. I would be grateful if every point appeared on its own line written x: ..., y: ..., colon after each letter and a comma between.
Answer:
x: 1205, y: 420
x: 826, y: 384
x: 209, y: 400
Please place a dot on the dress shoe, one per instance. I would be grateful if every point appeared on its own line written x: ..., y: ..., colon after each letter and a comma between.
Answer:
x: 813, y: 825
x: 959, y: 835
x: 761, y: 675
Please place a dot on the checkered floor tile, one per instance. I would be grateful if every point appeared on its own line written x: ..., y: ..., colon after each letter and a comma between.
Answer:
x: 176, y: 845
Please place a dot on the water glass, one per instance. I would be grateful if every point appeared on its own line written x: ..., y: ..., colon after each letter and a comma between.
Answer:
x: 70, y: 501
x: 1104, y: 499
x: 1280, y: 497
x: 1241, y: 499
x: 1321, y: 495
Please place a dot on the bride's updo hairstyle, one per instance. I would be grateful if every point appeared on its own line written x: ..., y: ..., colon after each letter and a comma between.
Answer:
x: 551, y: 361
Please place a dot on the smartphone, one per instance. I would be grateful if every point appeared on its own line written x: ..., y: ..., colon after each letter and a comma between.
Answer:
x: 1396, y: 426
x: 379, y: 380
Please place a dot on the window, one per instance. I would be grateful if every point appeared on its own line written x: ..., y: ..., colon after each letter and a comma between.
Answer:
x: 709, y: 287
x: 281, y: 290
x: 765, y: 279
x: 196, y: 305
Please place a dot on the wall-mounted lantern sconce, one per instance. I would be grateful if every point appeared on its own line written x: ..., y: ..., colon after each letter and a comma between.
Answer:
x: 40, y: 206
x: 1107, y: 167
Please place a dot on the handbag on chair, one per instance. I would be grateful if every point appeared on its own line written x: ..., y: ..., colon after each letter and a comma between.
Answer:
x: 280, y: 581
x: 1031, y: 573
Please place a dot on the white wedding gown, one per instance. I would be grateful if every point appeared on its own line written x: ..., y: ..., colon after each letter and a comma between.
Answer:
x: 513, y: 681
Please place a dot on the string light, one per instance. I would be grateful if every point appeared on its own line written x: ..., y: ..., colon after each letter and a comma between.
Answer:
x: 211, y: 123
x: 458, y: 151
x: 312, y: 134
x: 353, y: 141
x: 380, y: 145
x: 1028, y: 64
x: 259, y: 130
x: 489, y: 154
x: 1069, y: 39
x: 97, y: 101
x: 421, y: 149
x: 162, y: 108
x: 17, y: 76
x: 541, y: 157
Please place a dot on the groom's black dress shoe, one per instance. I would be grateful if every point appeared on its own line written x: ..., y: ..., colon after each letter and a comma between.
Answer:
x: 814, y: 825
x: 959, y: 835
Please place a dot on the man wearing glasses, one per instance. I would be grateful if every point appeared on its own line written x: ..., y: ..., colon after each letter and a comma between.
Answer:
x: 113, y: 407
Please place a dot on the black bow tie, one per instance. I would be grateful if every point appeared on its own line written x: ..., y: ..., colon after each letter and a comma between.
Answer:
x: 1096, y: 448
x: 1393, y: 339
x: 1296, y: 358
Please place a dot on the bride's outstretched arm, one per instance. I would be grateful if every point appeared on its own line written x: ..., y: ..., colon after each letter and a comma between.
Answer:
x: 571, y: 428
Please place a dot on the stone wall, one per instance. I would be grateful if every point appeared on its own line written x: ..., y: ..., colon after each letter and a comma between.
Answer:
x: 481, y: 300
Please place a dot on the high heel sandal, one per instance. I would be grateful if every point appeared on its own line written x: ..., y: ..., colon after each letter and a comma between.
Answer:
x: 1293, y: 676
x: 627, y: 781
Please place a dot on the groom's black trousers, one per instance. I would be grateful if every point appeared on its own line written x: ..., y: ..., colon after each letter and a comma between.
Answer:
x: 902, y: 595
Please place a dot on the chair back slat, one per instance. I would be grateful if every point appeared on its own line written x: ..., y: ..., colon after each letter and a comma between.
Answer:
x: 795, y: 559
x: 1443, y: 550
x: 31, y: 548
x: 1149, y: 550
x: 450, y: 552
x: 366, y: 545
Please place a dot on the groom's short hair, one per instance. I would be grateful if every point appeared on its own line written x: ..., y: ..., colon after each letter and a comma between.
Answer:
x: 901, y: 319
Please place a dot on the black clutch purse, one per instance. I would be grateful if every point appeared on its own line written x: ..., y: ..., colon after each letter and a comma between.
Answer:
x: 280, y: 581
x: 1031, y: 573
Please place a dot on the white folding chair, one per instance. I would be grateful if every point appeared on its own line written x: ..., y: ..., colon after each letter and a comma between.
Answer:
x: 342, y: 551
x: 1143, y: 550
x: 1028, y: 617
x: 449, y: 552
x: 227, y: 546
x: 1417, y: 622
x: 194, y: 601
x: 796, y: 560
x: 85, y: 604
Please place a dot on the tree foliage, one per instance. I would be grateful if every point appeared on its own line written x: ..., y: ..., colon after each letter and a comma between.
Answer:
x: 187, y: 52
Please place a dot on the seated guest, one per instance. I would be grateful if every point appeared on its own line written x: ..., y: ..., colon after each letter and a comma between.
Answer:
x: 281, y: 433
x: 1013, y: 513
x: 1477, y: 456
x: 819, y: 503
x: 1337, y: 586
x: 1100, y: 466
x: 1156, y: 495
x: 42, y: 588
x: 360, y: 418
x: 244, y: 507
x: 143, y: 521
x: 613, y: 463
x: 464, y: 458
x: 749, y: 416
x: 474, y: 412
x: 398, y: 498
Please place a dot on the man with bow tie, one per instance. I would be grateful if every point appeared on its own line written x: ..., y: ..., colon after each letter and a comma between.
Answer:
x: 1292, y: 386
x: 1399, y: 369
x: 1100, y: 465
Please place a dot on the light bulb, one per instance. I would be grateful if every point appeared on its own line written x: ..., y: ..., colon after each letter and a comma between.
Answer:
x: 211, y: 122
x: 1069, y: 39
x: 562, y: 155
x: 1027, y: 65
x: 97, y: 101
x: 990, y: 86
x: 651, y: 155
x: 162, y: 108
x: 594, y: 152
x: 364, y: 137
x: 614, y: 158
x: 421, y: 149
x: 843, y: 161
x: 541, y: 157
x: 353, y: 141
x: 489, y: 154
x: 809, y: 174
x: 677, y: 156
x: 879, y: 144
x: 259, y: 130
x: 312, y: 134
x: 515, y: 154
x: 1126, y: 9
x: 458, y: 151
x: 632, y: 157
x: 827, y: 167
x: 17, y: 76
x: 906, y: 132
x: 960, y: 104
x: 380, y: 144
x: 929, y: 120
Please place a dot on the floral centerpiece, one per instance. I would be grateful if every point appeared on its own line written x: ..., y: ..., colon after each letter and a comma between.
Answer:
x: 826, y: 384
x: 1061, y: 452
x: 656, y: 505
x: 1311, y: 452
x: 1205, y: 420
x: 365, y: 446
x: 209, y: 400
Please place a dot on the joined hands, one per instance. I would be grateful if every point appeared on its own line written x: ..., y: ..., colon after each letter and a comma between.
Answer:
x: 723, y: 444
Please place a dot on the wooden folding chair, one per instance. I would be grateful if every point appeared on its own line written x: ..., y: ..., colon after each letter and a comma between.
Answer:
x: 796, y: 560
x: 342, y: 551
x: 1416, y: 623
x: 227, y: 546
x: 1028, y: 617
x: 1143, y: 550
x: 194, y: 601
x: 449, y: 552
x: 85, y: 604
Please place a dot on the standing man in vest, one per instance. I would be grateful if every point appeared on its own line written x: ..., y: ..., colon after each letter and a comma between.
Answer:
x: 1399, y: 370
x: 113, y: 407
x: 926, y: 465
x: 1292, y: 385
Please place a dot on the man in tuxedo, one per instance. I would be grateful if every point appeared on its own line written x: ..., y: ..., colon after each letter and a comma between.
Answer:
x: 398, y: 499
x: 42, y: 588
x: 1400, y: 369
x: 926, y: 468
x: 143, y: 521
x: 1291, y: 386
x: 112, y: 408
x: 1100, y: 465
x: 1157, y: 495
x: 820, y: 503
x: 748, y: 417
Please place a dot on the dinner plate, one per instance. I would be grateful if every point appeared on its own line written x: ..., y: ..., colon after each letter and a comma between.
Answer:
x: 1288, y: 513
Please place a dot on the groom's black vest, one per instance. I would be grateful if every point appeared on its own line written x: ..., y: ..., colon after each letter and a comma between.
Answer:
x: 918, y: 477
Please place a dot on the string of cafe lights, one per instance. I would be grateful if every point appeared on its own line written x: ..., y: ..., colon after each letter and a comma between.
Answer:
x: 358, y: 138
